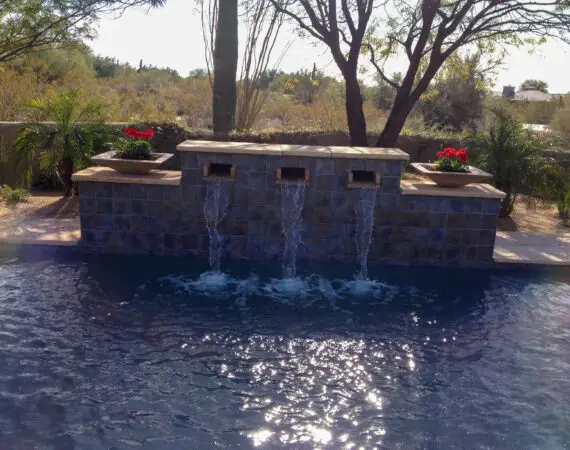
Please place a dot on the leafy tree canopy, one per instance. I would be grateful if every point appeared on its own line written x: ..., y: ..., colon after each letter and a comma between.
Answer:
x: 534, y: 85
x: 28, y: 25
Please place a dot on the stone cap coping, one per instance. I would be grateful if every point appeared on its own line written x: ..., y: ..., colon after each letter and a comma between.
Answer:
x: 248, y: 148
x: 428, y: 188
x: 108, y: 175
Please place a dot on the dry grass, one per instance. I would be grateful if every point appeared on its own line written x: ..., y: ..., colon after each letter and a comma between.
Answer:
x: 542, y: 219
x: 42, y: 205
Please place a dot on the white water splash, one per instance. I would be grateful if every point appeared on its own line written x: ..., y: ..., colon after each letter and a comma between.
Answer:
x: 292, y: 201
x: 299, y: 292
x: 215, y: 207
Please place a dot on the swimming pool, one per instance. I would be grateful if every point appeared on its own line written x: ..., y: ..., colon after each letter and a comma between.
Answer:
x: 140, y: 352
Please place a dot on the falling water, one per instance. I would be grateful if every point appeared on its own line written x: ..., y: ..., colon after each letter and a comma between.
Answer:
x: 215, y: 208
x: 292, y: 200
x: 365, y: 201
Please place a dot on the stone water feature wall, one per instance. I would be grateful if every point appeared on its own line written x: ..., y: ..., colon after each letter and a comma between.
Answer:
x: 164, y: 213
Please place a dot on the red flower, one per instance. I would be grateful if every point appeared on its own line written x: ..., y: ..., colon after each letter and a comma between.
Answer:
x: 451, y: 152
x: 440, y: 154
x: 148, y: 133
x: 131, y: 132
x: 134, y: 134
x: 462, y: 155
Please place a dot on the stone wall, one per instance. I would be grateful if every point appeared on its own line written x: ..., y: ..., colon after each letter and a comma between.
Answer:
x: 408, y: 227
x: 252, y: 226
x: 436, y: 230
x: 135, y: 218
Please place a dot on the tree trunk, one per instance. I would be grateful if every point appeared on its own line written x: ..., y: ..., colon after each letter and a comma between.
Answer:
x: 393, y: 128
x: 225, y: 68
x: 406, y: 98
x: 354, y: 111
x: 66, y: 173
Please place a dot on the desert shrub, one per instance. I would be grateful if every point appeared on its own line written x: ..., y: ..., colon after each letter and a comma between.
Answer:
x: 12, y: 196
x: 556, y: 188
x: 561, y: 123
x: 512, y: 156
x: 455, y: 100
x: 537, y: 112
x: 381, y: 95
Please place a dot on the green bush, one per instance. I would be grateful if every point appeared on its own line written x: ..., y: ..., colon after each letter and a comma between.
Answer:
x: 78, y: 132
x: 556, y: 188
x: 512, y: 156
x: 561, y: 123
x: 13, y: 196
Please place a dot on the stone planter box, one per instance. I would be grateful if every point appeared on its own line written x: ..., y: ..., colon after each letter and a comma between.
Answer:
x: 452, y: 179
x: 131, y: 166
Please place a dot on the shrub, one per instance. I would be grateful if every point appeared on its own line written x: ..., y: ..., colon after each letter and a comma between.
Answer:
x: 77, y: 133
x: 561, y: 123
x: 512, y: 156
x: 556, y: 188
x: 13, y: 196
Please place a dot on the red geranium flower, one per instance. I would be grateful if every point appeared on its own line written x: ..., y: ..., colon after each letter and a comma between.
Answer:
x: 134, y: 134
x: 462, y: 155
x: 130, y: 132
x: 148, y: 133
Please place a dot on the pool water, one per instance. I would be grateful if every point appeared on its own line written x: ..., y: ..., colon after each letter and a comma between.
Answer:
x: 107, y: 352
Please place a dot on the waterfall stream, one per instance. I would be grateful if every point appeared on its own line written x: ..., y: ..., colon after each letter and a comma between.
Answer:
x: 215, y: 207
x: 292, y: 202
x: 364, y: 205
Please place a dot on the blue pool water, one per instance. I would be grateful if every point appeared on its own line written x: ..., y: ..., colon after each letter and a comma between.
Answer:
x: 102, y: 352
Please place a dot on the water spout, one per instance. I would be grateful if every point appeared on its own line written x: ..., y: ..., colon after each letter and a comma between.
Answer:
x: 292, y: 201
x: 215, y: 206
x: 365, y: 202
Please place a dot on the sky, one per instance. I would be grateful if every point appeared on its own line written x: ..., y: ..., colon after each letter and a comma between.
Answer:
x: 171, y: 36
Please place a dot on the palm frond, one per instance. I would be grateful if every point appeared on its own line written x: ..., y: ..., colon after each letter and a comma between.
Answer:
x: 77, y: 133
x: 31, y: 138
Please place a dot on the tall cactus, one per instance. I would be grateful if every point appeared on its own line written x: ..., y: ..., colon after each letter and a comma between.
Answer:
x: 225, y: 67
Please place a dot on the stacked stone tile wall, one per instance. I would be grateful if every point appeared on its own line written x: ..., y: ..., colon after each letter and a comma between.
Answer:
x: 252, y: 226
x: 134, y: 218
x: 408, y: 228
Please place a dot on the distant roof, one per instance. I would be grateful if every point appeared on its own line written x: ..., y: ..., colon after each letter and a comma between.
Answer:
x: 532, y: 96
x: 538, y: 128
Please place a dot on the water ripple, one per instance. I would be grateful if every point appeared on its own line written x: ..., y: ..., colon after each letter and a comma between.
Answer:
x: 100, y: 352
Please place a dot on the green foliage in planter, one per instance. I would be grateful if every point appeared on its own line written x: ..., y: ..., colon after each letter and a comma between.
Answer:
x: 131, y: 149
x: 13, y: 196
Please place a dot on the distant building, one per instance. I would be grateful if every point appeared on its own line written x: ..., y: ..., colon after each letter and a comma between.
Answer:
x: 540, y: 130
x: 509, y: 92
x: 523, y: 96
x: 532, y: 96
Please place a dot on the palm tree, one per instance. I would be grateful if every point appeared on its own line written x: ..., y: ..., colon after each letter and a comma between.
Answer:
x: 75, y: 131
